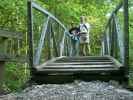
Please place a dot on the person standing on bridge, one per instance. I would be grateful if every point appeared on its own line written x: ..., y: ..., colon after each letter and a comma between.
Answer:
x: 84, y: 37
x: 74, y: 31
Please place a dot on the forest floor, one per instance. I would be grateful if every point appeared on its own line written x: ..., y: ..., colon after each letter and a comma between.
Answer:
x: 78, y: 90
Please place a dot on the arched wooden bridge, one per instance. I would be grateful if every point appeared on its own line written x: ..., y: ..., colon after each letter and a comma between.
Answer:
x: 59, y: 64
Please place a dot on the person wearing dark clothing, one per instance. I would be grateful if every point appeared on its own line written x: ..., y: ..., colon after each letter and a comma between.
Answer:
x: 74, y: 32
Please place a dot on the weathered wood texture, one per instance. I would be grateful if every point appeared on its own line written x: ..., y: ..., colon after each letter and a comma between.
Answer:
x: 9, y: 44
x: 30, y: 36
x: 8, y: 34
x: 126, y: 38
x: 72, y: 64
x: 2, y: 70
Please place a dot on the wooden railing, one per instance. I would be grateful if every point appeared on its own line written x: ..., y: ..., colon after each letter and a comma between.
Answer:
x: 54, y: 37
x: 10, y: 45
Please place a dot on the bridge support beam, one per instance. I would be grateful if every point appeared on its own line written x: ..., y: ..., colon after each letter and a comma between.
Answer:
x: 30, y: 37
x: 126, y: 38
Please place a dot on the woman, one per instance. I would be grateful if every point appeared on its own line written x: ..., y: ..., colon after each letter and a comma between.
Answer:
x: 84, y: 37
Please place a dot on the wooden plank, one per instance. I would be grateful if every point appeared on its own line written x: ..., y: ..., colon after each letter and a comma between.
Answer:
x: 89, y: 60
x: 8, y: 34
x: 116, y: 62
x: 78, y: 60
x: 77, y: 70
x: 75, y: 66
x: 83, y: 61
x: 49, y: 61
x: 85, y: 58
x: 79, y: 63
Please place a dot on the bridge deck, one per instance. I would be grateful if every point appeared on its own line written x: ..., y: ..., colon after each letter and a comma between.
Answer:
x: 79, y: 64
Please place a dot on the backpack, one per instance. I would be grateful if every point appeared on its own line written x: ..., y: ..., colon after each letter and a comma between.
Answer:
x: 83, y: 35
x: 84, y: 26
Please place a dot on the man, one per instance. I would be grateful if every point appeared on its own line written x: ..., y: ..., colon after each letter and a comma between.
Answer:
x: 84, y: 36
x: 75, y: 40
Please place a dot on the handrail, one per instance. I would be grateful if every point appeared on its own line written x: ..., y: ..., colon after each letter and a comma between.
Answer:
x: 112, y: 14
x: 9, y: 34
x: 37, y: 7
x: 115, y: 38
x: 120, y: 39
x: 110, y: 33
x: 47, y: 27
x: 105, y: 42
x: 10, y: 45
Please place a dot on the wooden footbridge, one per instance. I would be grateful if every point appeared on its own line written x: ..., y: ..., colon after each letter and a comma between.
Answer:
x: 50, y: 57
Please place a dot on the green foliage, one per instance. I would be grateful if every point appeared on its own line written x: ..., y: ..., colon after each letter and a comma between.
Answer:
x: 15, y: 76
x: 13, y: 17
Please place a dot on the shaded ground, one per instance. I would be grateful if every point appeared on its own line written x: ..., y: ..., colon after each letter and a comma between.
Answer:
x: 78, y: 90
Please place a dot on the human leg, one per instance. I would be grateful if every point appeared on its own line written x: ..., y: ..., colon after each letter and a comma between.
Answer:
x: 81, y: 49
x: 74, y: 48
x: 87, y: 49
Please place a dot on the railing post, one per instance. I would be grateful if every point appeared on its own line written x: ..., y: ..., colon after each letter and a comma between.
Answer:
x: 112, y: 37
x: 115, y: 39
x: 49, y: 41
x: 102, y: 49
x: 108, y: 42
x: 126, y: 37
x: 54, y: 41
x: 62, y: 44
x: 30, y: 35
x: 106, y: 45
x: 120, y: 41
